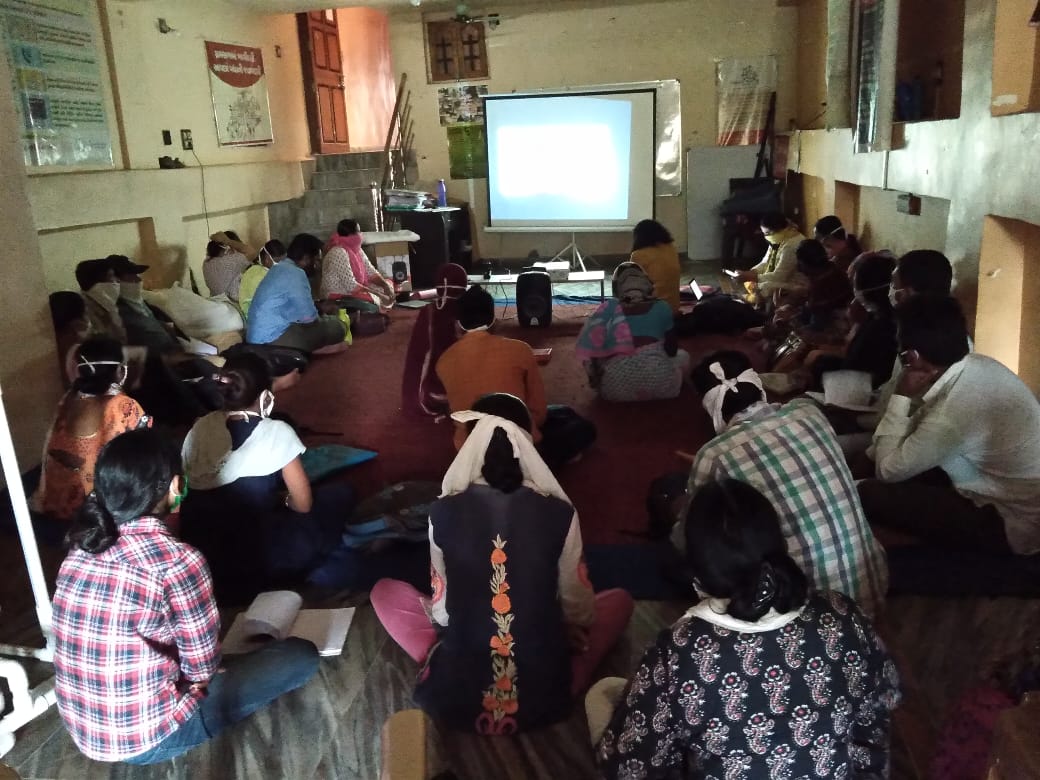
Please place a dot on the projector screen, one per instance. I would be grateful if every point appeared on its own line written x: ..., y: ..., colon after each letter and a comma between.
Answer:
x: 570, y: 161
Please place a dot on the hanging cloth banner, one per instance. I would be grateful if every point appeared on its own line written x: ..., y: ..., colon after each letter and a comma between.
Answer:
x: 838, y: 111
x: 745, y: 86
x: 876, y: 24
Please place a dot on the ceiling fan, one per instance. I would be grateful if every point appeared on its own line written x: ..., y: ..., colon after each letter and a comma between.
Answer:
x: 463, y: 16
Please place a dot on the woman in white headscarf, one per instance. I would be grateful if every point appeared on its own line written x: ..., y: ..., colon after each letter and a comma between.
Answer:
x: 513, y: 629
x: 628, y: 345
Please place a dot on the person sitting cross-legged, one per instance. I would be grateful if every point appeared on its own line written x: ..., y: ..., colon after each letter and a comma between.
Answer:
x: 653, y: 250
x: 433, y: 333
x: 480, y: 363
x: 138, y: 672
x: 270, y: 253
x: 283, y: 313
x: 628, y: 345
x: 790, y: 454
x: 513, y: 630
x: 227, y: 258
x: 972, y: 418
x: 91, y: 414
x: 762, y: 678
x: 252, y: 510
x: 347, y: 275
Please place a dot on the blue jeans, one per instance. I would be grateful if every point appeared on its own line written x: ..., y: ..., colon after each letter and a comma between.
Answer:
x: 248, y: 682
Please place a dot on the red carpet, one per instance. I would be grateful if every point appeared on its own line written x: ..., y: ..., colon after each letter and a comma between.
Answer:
x: 358, y: 394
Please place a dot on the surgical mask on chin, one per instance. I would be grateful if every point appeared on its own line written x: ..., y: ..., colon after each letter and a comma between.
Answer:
x: 105, y: 293
x: 131, y: 291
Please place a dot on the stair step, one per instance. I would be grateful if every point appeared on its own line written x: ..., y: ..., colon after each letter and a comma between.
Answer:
x: 360, y: 177
x: 350, y: 161
x: 348, y: 197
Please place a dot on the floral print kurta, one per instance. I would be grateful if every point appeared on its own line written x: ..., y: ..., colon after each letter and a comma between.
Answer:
x: 809, y: 699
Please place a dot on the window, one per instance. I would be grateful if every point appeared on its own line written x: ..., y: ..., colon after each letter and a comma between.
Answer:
x: 456, y: 51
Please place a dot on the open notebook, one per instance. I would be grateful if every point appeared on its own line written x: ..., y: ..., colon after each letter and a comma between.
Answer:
x: 845, y: 389
x: 276, y: 614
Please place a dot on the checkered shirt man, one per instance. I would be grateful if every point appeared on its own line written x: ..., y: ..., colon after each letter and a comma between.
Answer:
x: 791, y: 456
x: 135, y: 626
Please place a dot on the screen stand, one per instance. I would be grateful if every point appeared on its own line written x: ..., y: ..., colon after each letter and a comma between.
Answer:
x: 577, y: 261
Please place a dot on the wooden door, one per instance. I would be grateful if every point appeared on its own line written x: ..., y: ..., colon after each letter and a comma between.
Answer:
x: 323, y: 81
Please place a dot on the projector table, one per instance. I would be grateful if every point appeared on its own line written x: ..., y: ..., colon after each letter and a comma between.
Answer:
x: 572, y: 277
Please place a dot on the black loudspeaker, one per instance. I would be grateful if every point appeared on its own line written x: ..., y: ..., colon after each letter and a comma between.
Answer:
x: 534, y: 299
x: 400, y: 270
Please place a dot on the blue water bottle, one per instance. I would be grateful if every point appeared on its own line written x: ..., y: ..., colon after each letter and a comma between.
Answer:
x: 442, y: 193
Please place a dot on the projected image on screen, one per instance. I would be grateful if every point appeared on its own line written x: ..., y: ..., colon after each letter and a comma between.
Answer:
x: 575, y: 160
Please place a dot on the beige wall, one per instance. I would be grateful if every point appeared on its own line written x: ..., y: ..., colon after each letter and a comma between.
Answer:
x: 582, y: 44
x: 881, y: 226
x: 980, y: 164
x: 1016, y: 66
x: 368, y: 73
x: 161, y: 82
x: 812, y: 63
x: 29, y: 371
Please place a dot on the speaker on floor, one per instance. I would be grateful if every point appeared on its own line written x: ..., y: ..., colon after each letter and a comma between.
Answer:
x: 534, y: 299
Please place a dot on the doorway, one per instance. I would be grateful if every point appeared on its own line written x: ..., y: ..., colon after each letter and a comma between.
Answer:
x: 323, y: 81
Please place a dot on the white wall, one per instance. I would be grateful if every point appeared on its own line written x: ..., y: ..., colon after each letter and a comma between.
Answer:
x: 29, y: 378
x: 161, y: 82
x: 553, y: 45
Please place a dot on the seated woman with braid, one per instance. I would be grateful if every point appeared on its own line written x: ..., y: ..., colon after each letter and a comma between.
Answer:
x: 91, y: 414
x: 513, y: 630
x: 761, y: 678
x: 628, y: 345
x: 252, y: 511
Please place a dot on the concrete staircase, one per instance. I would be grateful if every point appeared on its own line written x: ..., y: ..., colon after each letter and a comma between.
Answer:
x: 340, y: 187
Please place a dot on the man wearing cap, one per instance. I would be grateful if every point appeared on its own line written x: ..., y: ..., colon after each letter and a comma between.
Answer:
x: 100, y: 289
x: 143, y: 327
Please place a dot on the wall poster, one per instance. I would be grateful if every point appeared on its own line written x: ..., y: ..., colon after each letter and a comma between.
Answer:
x: 467, y: 151
x: 56, y: 79
x: 239, y: 88
x: 745, y: 87
x: 876, y: 23
x: 461, y: 104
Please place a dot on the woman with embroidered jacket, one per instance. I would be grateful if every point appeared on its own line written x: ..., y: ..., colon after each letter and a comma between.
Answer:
x: 761, y: 678
x: 513, y: 630
x: 251, y: 510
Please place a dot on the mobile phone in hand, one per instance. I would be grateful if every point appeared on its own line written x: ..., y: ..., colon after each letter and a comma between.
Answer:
x: 730, y: 272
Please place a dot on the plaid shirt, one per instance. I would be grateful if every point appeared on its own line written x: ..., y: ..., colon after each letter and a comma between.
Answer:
x: 792, y: 457
x: 134, y: 627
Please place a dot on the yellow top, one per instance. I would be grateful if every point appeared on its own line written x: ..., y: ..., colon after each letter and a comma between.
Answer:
x: 251, y: 279
x: 661, y: 264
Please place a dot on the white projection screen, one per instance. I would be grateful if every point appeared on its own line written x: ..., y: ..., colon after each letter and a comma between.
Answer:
x: 570, y: 161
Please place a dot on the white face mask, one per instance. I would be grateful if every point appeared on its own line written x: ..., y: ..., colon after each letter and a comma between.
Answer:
x: 131, y: 291
x: 266, y: 404
x: 105, y: 293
